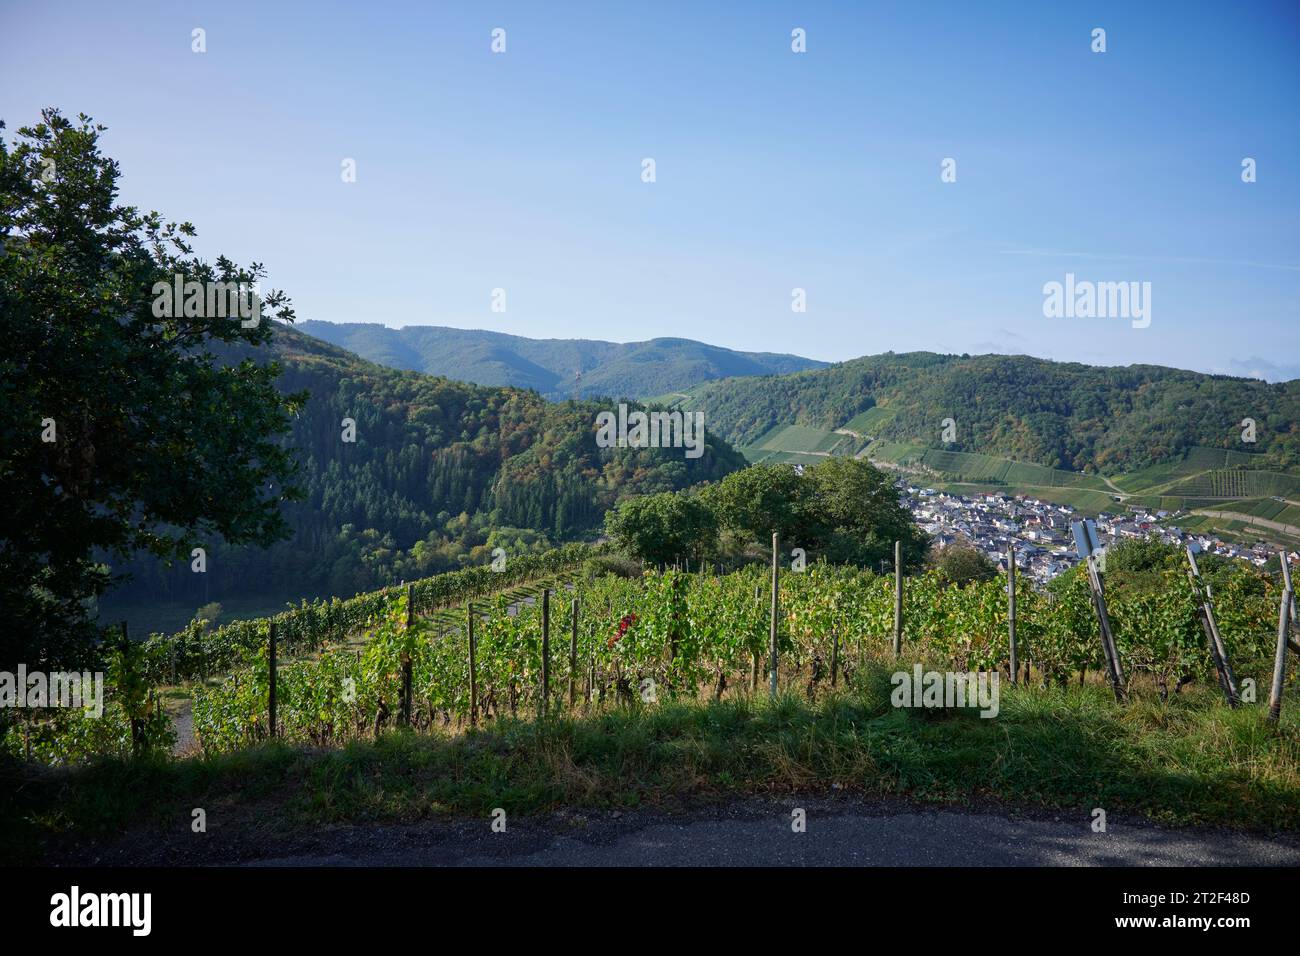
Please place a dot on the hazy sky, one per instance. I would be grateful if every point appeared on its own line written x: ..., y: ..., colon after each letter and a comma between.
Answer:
x: 774, y: 170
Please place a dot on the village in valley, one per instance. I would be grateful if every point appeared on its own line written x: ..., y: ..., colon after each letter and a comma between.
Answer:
x: 1040, y: 530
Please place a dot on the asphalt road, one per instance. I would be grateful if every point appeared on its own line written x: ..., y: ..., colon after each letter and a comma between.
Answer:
x: 759, y: 833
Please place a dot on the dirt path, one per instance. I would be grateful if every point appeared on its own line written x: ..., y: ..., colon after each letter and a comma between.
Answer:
x: 1114, y: 487
x: 183, y: 724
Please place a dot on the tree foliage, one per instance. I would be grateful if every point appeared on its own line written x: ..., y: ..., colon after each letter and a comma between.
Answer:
x: 664, y: 528
x: 963, y: 564
x: 122, y: 431
x: 440, y: 474
x: 844, y: 510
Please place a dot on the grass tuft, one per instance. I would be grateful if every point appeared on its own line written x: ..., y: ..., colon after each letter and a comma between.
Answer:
x: 1188, y: 761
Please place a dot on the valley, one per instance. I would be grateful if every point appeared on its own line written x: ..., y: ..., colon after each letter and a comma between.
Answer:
x: 1046, y: 415
x: 441, y: 473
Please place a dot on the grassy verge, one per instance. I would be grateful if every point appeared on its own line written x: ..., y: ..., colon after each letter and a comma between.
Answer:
x: 1191, y: 761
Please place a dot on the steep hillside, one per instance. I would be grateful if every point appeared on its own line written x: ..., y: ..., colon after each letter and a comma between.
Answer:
x: 558, y: 368
x: 440, y: 472
x: 1061, y: 415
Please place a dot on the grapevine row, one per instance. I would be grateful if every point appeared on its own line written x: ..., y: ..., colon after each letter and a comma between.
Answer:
x: 677, y: 634
x: 198, y: 651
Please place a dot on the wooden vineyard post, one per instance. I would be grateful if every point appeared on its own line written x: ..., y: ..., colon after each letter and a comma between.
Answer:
x: 473, y: 666
x: 573, y: 657
x: 1218, y: 650
x: 1230, y: 679
x: 1085, y: 542
x: 1113, y: 668
x: 137, y: 729
x: 1011, y: 609
x: 1279, y: 659
x: 1286, y: 618
x: 546, y: 649
x: 270, y: 648
x: 776, y: 584
x: 898, y: 598
x: 405, y: 714
x: 835, y: 652
x: 1285, y: 559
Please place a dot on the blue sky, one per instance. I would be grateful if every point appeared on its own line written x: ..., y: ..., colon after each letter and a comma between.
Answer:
x: 775, y: 170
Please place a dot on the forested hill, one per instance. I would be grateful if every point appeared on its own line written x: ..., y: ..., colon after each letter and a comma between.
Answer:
x: 441, y: 471
x: 557, y: 368
x: 1064, y: 415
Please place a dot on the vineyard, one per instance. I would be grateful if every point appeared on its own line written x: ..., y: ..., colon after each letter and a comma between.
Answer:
x: 199, y: 651
x: 597, y: 641
x: 676, y: 634
x: 134, y: 721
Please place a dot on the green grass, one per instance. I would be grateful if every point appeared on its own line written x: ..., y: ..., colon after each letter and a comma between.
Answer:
x: 798, y: 438
x: 1190, y: 761
x: 1152, y: 477
x: 797, y: 444
x: 966, y: 466
x: 866, y: 423
x: 899, y: 453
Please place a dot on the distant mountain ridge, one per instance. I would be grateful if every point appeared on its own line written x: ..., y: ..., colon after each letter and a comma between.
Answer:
x: 556, y: 368
x: 1062, y: 415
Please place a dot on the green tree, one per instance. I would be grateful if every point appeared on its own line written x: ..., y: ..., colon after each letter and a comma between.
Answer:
x: 855, y: 515
x: 1144, y: 555
x: 962, y: 564
x: 663, y: 528
x: 843, y: 509
x: 761, y: 499
x: 122, y: 430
